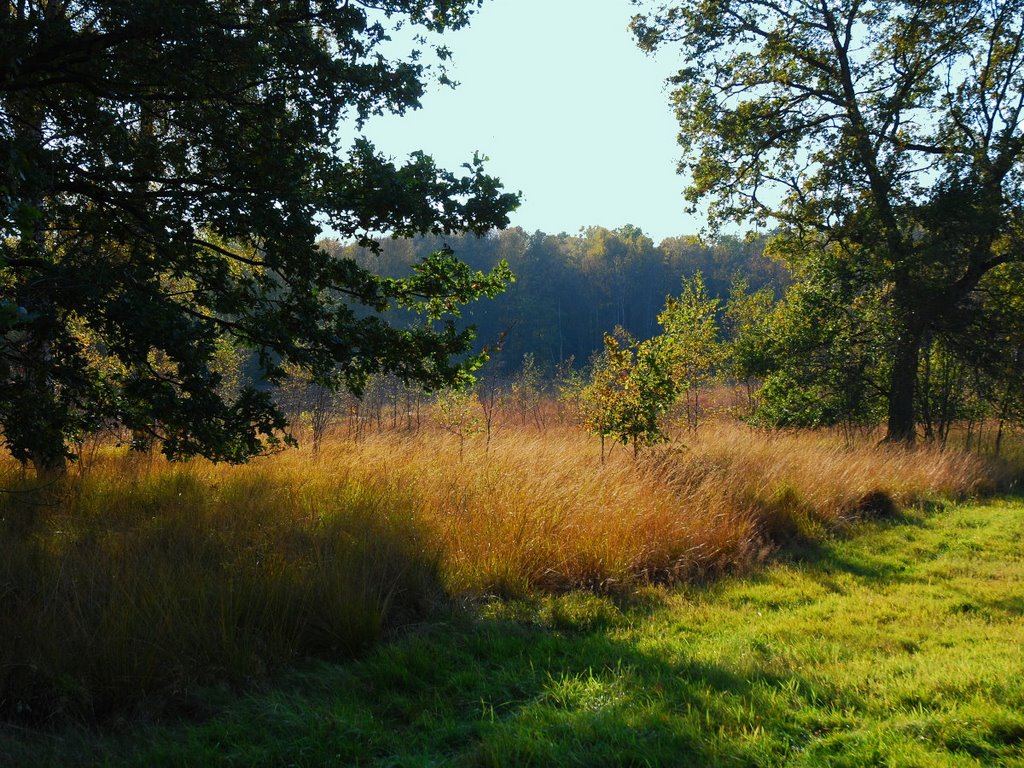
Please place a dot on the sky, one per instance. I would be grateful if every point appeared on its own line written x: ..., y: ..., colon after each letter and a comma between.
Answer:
x: 567, y: 109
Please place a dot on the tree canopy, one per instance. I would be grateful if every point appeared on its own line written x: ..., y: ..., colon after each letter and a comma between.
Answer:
x: 165, y: 170
x: 887, y: 138
x: 571, y: 289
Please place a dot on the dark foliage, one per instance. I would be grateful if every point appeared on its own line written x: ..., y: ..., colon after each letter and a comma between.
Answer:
x: 164, y: 171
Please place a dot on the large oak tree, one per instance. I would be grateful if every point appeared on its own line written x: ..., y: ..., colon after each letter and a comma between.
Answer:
x: 887, y: 134
x: 165, y: 168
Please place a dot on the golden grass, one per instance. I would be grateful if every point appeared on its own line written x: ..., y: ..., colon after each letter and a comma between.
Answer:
x: 539, y: 510
x: 133, y: 583
x: 136, y: 577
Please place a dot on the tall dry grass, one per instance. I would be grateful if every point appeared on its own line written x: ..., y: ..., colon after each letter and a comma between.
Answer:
x: 539, y: 510
x: 137, y: 579
x: 133, y: 585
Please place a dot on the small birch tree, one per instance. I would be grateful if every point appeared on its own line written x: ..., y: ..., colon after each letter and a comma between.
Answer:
x: 457, y: 412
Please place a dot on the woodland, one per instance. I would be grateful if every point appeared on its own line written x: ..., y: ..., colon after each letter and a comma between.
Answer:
x: 437, y: 490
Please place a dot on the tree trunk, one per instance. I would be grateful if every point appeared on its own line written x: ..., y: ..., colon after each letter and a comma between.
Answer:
x: 902, y: 426
x: 926, y: 396
x: 50, y: 469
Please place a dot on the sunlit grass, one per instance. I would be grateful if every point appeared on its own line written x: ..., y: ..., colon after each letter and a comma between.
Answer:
x: 134, y: 582
x: 539, y: 510
x: 900, y: 646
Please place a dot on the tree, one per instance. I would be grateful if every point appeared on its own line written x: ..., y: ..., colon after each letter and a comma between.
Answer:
x: 456, y: 411
x: 526, y: 393
x: 747, y: 326
x: 166, y: 168
x: 973, y: 367
x: 820, y: 352
x: 305, y: 401
x: 630, y: 389
x: 689, y: 342
x: 492, y: 395
x: 893, y: 132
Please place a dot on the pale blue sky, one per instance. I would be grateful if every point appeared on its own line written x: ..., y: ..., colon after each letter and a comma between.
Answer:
x: 567, y: 108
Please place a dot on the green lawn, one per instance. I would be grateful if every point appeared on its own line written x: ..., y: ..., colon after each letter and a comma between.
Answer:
x: 901, y: 646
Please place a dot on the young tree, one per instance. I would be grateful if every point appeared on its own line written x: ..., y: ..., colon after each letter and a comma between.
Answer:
x: 689, y: 342
x: 492, y: 395
x: 457, y: 412
x: 630, y: 389
x: 820, y: 352
x: 984, y: 348
x: 305, y: 401
x: 747, y: 324
x: 165, y: 169
x: 568, y: 383
x: 526, y: 393
x: 892, y: 132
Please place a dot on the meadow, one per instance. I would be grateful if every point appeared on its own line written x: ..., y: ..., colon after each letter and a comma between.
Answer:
x: 134, y: 584
x: 889, y: 641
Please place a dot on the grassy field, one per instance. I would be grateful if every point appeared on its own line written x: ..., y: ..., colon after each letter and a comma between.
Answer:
x: 135, y: 582
x: 901, y: 645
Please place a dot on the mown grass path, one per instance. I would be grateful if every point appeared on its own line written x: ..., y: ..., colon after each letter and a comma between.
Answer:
x: 900, y: 646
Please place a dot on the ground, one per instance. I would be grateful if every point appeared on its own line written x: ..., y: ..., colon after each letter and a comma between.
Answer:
x: 899, y: 644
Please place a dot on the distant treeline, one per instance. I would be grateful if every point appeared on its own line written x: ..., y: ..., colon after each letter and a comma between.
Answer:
x: 572, y: 289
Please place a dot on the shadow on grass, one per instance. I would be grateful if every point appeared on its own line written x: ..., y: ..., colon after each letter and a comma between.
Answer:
x: 826, y: 556
x: 823, y: 560
x: 501, y: 693
x: 119, y: 598
x: 552, y: 682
